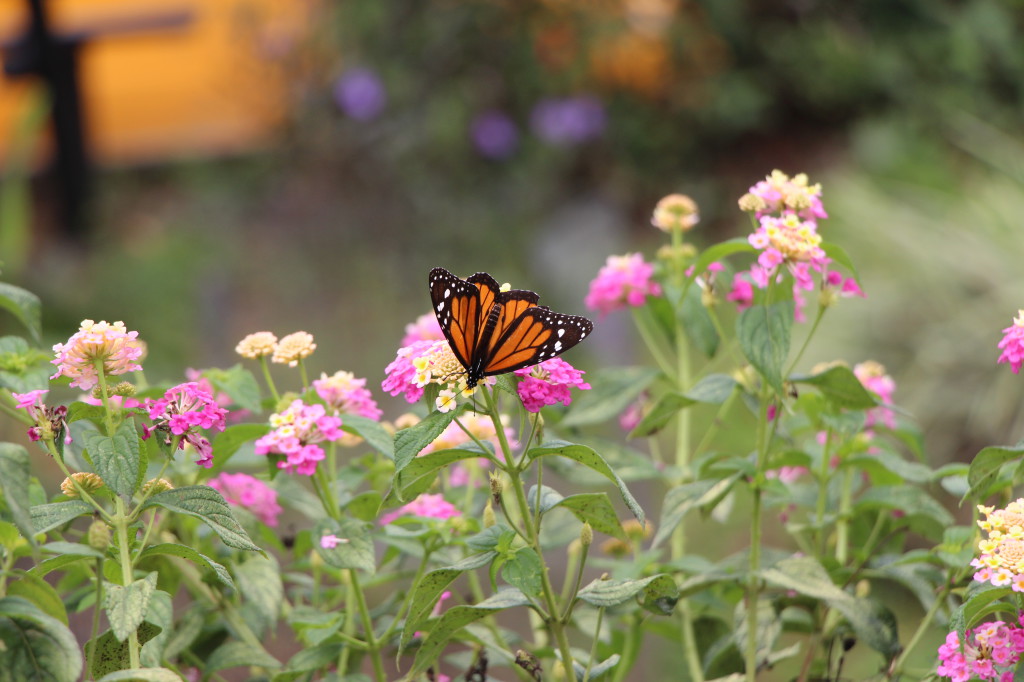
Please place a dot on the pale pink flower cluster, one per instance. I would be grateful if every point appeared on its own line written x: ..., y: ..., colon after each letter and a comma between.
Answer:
x: 343, y: 392
x: 548, y: 383
x: 787, y: 241
x: 297, y: 430
x: 873, y: 377
x: 623, y: 280
x: 425, y: 328
x: 112, y: 345
x: 183, y: 410
x: 425, y: 506
x: 425, y: 362
x: 1012, y: 343
x: 49, y: 420
x: 779, y: 193
x: 400, y: 376
x: 990, y: 651
x: 243, y: 490
x: 1001, y: 562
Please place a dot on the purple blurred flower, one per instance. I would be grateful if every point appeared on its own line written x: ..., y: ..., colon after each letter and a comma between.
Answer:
x: 568, y: 120
x: 494, y: 135
x: 360, y: 94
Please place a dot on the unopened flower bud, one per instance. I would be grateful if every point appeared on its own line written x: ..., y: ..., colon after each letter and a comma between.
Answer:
x: 489, y: 517
x: 575, y: 547
x: 586, y: 534
x: 529, y: 663
x: 863, y: 589
x: 496, y: 487
x: 558, y: 671
x: 752, y: 203
x: 458, y: 524
x: 98, y: 536
x: 87, y: 481
x: 635, y: 532
x: 827, y: 297
x: 123, y: 388
x: 675, y: 212
x: 156, y: 485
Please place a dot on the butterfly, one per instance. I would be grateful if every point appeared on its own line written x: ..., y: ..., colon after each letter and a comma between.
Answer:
x: 492, y: 331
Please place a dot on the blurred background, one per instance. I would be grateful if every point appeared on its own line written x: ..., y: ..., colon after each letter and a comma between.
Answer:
x: 203, y: 169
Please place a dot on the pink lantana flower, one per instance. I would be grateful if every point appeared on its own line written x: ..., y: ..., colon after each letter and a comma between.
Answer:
x: 742, y: 293
x: 343, y: 392
x: 873, y: 377
x: 624, y: 280
x: 1012, y: 343
x: 182, y: 411
x: 425, y: 328
x: 50, y: 421
x: 116, y: 349
x: 297, y: 430
x: 243, y: 490
x: 425, y: 506
x: 778, y: 193
x: 548, y: 383
x: 330, y: 541
x: 989, y: 651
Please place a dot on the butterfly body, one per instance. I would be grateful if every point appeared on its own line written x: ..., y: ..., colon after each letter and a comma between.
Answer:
x: 492, y: 331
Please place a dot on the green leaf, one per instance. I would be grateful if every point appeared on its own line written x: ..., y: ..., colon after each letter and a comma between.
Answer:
x: 117, y: 458
x: 36, y: 646
x: 236, y: 654
x: 46, y: 517
x: 593, y: 508
x: 239, y: 383
x: 370, y: 431
x: 456, y: 618
x: 429, y: 589
x: 597, y: 669
x: 661, y: 413
x: 612, y: 390
x: 523, y: 571
x: 837, y: 254
x: 420, y: 473
x: 314, y: 658
x: 679, y: 501
x: 259, y: 582
x: 185, y: 552
x: 587, y: 457
x: 23, y: 368
x: 161, y: 614
x: 841, y: 386
x: 910, y: 500
x: 206, y: 504
x: 14, y: 479
x: 718, y: 252
x: 409, y: 442
x: 227, y: 442
x: 364, y: 506
x: 112, y: 656
x: 763, y: 332
x: 357, y: 553
x: 126, y: 605
x: 986, y: 465
x: 142, y: 675
x: 657, y: 593
x: 697, y: 322
x: 25, y: 306
x: 713, y: 389
x: 40, y: 593
x: 498, y: 537
x: 806, y: 576
x: 79, y: 410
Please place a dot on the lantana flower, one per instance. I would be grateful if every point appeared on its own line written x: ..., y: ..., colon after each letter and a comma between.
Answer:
x: 117, y: 349
x: 989, y: 651
x: 873, y: 377
x: 1001, y: 561
x: 297, y: 430
x: 1012, y: 343
x: 182, y: 411
x: 548, y: 383
x: 425, y: 328
x: 623, y: 280
x: 330, y: 541
x: 426, y: 506
x: 49, y: 421
x: 292, y: 348
x: 425, y: 362
x: 675, y: 212
x: 257, y: 345
x: 243, y: 490
x: 343, y: 392
x: 779, y: 193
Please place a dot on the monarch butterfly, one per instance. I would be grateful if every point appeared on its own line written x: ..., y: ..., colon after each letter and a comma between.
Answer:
x: 492, y: 331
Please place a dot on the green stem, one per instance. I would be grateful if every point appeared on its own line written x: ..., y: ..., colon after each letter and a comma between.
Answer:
x: 843, y: 522
x: 302, y: 374
x: 121, y: 526
x: 922, y: 627
x: 407, y: 600
x: 82, y: 492
x: 643, y: 325
x: 593, y: 647
x: 90, y: 654
x: 807, y: 340
x: 372, y: 644
x: 108, y: 420
x: 754, y: 583
x: 269, y: 379
x: 824, y: 476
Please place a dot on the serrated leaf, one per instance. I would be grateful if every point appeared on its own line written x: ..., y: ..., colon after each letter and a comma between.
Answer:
x: 456, y: 618
x: 25, y: 306
x: 14, y: 479
x: 259, y: 582
x: 239, y: 383
x: 986, y: 465
x: 207, y: 505
x: 46, y: 517
x: 409, y: 442
x: 523, y: 571
x: 161, y: 614
x: 611, y: 392
x: 912, y: 501
x: 595, y: 509
x: 117, y: 458
x: 763, y: 332
x: 36, y: 646
x: 40, y: 593
x: 185, y: 552
x: 497, y: 537
x: 657, y: 593
x: 841, y: 386
x: 357, y: 553
x: 236, y: 654
x: 419, y: 474
x: 111, y: 655
x: 713, y: 389
x: 126, y: 605
x: 589, y: 458
x: 370, y: 431
x: 679, y: 501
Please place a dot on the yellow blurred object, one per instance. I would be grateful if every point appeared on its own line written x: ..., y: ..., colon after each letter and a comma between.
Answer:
x: 214, y: 82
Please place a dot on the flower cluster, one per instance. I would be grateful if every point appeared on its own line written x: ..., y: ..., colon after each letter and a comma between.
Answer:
x: 425, y: 328
x: 778, y: 193
x: 989, y: 652
x: 344, y: 393
x: 675, y: 212
x: 873, y: 377
x: 425, y: 506
x: 257, y: 345
x: 297, y: 430
x: 1001, y: 562
x: 50, y: 421
x: 243, y: 490
x: 292, y: 348
x: 548, y: 383
x: 111, y: 346
x: 184, y: 410
x: 425, y: 362
x: 624, y: 280
x: 1012, y: 343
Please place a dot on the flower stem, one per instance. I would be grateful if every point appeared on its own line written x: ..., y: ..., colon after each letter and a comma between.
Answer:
x: 269, y: 379
x: 372, y: 644
x: 753, y: 581
x: 108, y: 420
x: 90, y: 654
x: 121, y: 527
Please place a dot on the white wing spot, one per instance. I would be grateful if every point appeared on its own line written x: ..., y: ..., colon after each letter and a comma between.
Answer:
x: 561, y: 332
x: 447, y: 292
x: 558, y: 346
